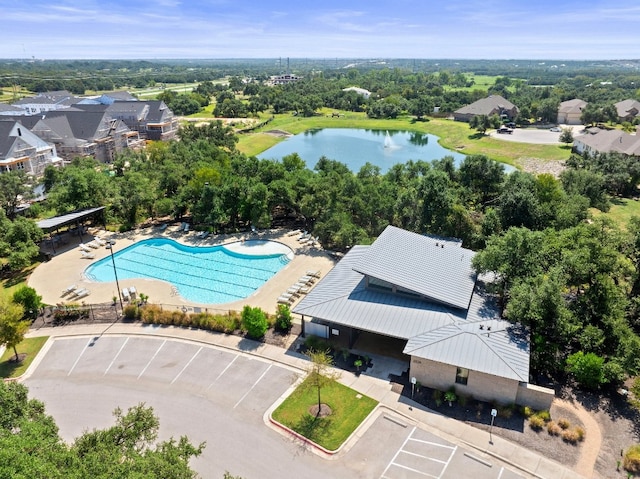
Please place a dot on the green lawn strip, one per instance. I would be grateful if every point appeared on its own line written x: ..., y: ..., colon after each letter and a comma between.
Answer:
x: 348, y: 412
x: 16, y: 280
x: 31, y: 347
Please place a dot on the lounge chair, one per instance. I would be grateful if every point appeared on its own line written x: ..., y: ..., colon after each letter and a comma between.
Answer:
x: 163, y: 227
x: 305, y: 290
x: 93, y: 244
x: 293, y: 289
x: 84, y: 247
x: 78, y: 293
x: 186, y: 227
x: 293, y: 233
x: 306, y: 279
x: 125, y: 294
x: 100, y: 241
x: 315, y: 274
x: 87, y: 255
x: 84, y: 293
x: 132, y: 291
x: 283, y: 300
x: 69, y: 289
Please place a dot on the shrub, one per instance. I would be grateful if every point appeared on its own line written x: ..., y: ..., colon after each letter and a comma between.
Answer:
x: 437, y: 397
x: 316, y: 344
x: 554, y: 429
x: 450, y: 396
x: 536, y: 423
x: 631, y: 461
x: 131, y: 311
x: 544, y: 415
x: 564, y: 423
x: 254, y: 320
x: 580, y: 432
x: 505, y: 410
x: 571, y: 436
x: 283, y: 318
x: 527, y: 412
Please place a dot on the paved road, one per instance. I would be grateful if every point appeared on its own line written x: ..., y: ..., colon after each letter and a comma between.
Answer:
x: 220, y: 396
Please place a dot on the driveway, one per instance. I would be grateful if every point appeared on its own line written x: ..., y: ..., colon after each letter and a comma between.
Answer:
x: 535, y: 135
x: 220, y: 396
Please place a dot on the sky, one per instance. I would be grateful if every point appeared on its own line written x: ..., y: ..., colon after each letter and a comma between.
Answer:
x: 216, y: 29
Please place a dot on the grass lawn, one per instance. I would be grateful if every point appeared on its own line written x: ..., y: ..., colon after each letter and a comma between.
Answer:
x: 348, y: 408
x: 453, y: 135
x: 31, y: 347
x: 621, y: 211
x: 9, y: 285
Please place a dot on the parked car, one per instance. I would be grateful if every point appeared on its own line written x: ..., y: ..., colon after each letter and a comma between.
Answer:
x: 504, y: 129
x: 556, y: 129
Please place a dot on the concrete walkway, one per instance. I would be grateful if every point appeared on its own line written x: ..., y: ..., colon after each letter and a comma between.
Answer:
x: 526, y: 462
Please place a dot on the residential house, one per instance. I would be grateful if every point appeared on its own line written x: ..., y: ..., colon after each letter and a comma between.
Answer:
x: 597, y: 141
x: 570, y: 111
x: 20, y: 149
x: 10, y: 110
x: 492, y: 105
x: 422, y: 292
x: 628, y: 110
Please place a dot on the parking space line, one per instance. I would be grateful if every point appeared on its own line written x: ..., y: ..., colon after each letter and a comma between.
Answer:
x: 500, y: 473
x: 406, y: 468
x: 398, y: 452
x: 152, y: 358
x: 186, y: 365
x: 223, y: 371
x: 432, y: 443
x: 116, y: 356
x: 449, y: 461
x: 424, y: 457
x: 81, y: 353
x: 253, y: 386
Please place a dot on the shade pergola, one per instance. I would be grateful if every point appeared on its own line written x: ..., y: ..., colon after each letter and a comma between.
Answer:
x: 52, y: 224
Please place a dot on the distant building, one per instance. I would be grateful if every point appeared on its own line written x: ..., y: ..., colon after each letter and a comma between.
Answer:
x: 153, y: 120
x: 48, y: 101
x: 628, y: 110
x: 492, y: 105
x: 284, y: 79
x: 22, y: 150
x: 360, y: 91
x: 570, y: 112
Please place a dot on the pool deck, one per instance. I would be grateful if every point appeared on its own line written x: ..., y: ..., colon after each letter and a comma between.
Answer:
x: 66, y: 268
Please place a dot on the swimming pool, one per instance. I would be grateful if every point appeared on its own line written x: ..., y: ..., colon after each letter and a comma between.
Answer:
x: 208, y: 275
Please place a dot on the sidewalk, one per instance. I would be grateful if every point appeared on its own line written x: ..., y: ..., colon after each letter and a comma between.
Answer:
x: 527, y: 463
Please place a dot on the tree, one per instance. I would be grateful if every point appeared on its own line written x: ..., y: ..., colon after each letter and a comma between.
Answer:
x: 320, y: 374
x: 566, y: 136
x: 12, y: 326
x: 13, y: 188
x: 30, y: 300
x: 588, y: 369
x: 254, y: 321
x: 31, y: 447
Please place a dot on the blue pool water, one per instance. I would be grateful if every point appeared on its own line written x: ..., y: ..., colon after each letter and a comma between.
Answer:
x: 208, y: 275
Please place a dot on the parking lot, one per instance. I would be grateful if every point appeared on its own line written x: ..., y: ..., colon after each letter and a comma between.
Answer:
x: 220, y: 396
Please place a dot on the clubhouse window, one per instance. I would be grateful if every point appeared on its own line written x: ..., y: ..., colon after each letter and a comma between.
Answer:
x: 462, y: 376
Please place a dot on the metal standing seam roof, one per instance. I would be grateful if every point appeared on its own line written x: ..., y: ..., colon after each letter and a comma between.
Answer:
x: 501, y: 351
x: 438, y: 269
x: 62, y: 220
x: 434, y: 331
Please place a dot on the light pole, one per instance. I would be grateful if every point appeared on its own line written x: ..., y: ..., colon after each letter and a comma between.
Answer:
x: 110, y: 244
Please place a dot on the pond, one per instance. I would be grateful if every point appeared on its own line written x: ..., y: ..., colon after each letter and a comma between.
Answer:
x: 355, y: 147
